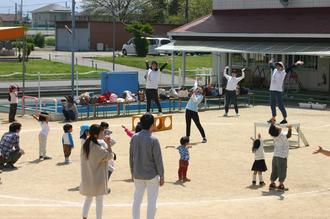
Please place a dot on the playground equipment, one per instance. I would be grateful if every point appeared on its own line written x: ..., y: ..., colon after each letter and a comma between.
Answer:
x: 162, y: 122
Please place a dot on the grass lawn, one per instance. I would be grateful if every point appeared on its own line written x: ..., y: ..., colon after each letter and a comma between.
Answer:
x: 44, y: 67
x: 192, y: 62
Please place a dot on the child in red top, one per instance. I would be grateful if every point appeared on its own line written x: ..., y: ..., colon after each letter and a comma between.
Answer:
x: 130, y: 133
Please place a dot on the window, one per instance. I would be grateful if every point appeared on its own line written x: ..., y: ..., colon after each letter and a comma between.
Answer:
x: 164, y: 42
x: 153, y: 42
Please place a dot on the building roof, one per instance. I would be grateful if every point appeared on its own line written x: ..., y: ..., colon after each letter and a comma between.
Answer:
x: 8, y: 17
x: 259, y: 21
x: 52, y: 8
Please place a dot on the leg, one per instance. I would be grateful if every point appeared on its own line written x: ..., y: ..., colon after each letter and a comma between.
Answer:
x: 274, y: 174
x: 87, y: 206
x: 227, y: 96
x: 149, y: 97
x: 273, y: 103
x: 185, y: 169
x: 109, y: 174
x: 140, y: 186
x: 234, y: 98
x: 282, y: 169
x: 66, y: 115
x: 281, y: 104
x: 14, y: 111
x: 99, y: 206
x: 11, y: 113
x: 152, y: 188
x: 13, y: 157
x: 188, y: 122
x: 198, y: 124
x: 254, y: 177
x: 155, y: 97
x: 180, y: 175
x: 261, y: 180
x: 42, y: 145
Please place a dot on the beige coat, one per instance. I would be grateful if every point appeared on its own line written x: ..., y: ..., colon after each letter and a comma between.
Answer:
x: 94, y: 171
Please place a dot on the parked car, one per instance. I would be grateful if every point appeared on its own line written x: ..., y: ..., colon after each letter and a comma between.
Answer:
x: 129, y: 47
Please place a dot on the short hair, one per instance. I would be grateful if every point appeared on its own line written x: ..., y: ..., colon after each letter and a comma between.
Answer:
x: 147, y: 120
x: 67, y: 127
x: 104, y: 125
x: 14, y: 127
x: 138, y: 127
x: 273, y: 130
x: 184, y: 140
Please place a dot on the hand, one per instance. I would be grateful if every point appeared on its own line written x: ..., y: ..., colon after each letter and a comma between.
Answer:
x: 107, y: 140
x: 123, y: 127
x: 299, y: 62
x: 226, y: 67
x: 259, y: 135
x: 161, y: 182
x: 243, y: 69
x: 319, y: 150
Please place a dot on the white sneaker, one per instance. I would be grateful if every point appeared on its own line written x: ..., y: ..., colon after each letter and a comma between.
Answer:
x: 237, y: 114
x: 225, y: 115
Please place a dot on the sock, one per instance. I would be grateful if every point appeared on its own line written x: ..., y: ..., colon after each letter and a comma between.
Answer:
x: 260, y: 178
x: 254, y: 178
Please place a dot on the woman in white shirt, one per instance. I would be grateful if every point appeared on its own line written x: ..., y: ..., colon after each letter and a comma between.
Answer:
x: 276, y: 87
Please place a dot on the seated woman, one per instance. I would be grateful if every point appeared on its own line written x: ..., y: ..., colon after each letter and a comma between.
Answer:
x: 69, y: 109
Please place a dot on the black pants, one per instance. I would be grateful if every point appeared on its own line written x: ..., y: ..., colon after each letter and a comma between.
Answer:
x: 12, y: 157
x: 109, y: 174
x: 12, y: 112
x: 152, y: 94
x: 194, y: 116
x: 231, y: 98
x: 69, y: 115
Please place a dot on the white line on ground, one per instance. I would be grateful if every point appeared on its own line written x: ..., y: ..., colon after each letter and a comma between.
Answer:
x: 61, y: 204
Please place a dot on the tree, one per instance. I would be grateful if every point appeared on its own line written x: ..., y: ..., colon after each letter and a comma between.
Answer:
x: 174, y: 7
x: 123, y: 9
x: 39, y: 40
x: 140, y: 32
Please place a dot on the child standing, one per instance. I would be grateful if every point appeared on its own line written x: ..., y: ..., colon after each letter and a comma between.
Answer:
x: 259, y: 164
x: 67, y: 141
x: 43, y: 119
x: 280, y: 158
x: 13, y: 99
x: 107, y: 133
x: 84, y: 133
x: 184, y: 159
x: 130, y: 133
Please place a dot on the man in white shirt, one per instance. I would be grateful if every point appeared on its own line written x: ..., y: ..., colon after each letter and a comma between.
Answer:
x: 232, y: 82
x: 276, y: 87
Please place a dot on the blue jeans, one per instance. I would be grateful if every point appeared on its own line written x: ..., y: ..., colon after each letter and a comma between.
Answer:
x: 276, y: 98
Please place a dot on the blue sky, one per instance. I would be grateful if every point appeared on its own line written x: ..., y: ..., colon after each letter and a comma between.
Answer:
x: 29, y: 5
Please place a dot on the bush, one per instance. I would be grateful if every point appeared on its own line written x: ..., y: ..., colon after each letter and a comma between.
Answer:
x: 140, y: 32
x: 50, y: 41
x: 39, y: 40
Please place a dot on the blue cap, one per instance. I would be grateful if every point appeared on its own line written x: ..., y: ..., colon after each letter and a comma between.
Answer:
x: 83, y: 128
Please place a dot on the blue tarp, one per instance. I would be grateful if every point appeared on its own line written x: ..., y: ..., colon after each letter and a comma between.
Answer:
x: 118, y: 82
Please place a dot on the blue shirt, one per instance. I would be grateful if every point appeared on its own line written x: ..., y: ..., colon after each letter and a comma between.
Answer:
x: 184, y: 152
x: 194, y: 101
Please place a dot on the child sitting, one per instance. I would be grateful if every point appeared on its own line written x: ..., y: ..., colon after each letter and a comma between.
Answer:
x: 280, y: 158
x: 259, y: 164
x: 67, y: 142
x: 43, y: 119
x: 84, y: 133
x: 130, y: 133
x: 184, y: 159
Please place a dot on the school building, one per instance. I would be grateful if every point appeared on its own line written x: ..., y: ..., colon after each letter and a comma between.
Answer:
x: 242, y: 33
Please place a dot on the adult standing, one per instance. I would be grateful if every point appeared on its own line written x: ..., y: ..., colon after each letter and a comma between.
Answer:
x: 94, y: 172
x: 192, y: 112
x: 10, y: 150
x: 146, y: 163
x: 13, y: 99
x: 152, y: 78
x: 232, y: 82
x: 276, y: 88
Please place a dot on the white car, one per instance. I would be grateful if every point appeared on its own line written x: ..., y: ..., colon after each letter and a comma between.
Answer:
x: 129, y: 47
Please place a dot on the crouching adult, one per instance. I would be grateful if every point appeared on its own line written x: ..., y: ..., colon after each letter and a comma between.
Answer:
x: 10, y: 151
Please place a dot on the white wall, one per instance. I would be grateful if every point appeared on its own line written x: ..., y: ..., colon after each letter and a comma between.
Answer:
x: 255, y: 4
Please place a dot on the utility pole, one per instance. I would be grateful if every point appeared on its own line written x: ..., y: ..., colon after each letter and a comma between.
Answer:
x: 15, y: 13
x: 21, y: 11
x: 24, y: 55
x: 187, y: 11
x: 72, y: 45
x: 113, y: 40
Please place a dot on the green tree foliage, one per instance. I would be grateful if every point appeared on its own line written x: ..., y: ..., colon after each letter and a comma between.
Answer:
x: 50, y: 41
x: 140, y: 31
x: 39, y: 40
x: 173, y: 8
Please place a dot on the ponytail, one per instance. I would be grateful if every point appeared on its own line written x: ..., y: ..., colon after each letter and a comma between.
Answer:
x: 94, y: 131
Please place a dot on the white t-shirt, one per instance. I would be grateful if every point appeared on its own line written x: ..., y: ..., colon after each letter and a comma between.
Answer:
x: 111, y: 163
x: 44, y: 128
x: 13, y: 97
x: 233, y: 81
x: 152, y: 79
x: 259, y: 154
x: 276, y: 83
x: 281, y: 146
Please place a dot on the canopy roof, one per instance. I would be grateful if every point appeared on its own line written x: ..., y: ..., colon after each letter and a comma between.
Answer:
x: 290, y: 48
x: 11, y: 33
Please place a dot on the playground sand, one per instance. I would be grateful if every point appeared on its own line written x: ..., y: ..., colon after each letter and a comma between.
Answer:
x: 220, y: 172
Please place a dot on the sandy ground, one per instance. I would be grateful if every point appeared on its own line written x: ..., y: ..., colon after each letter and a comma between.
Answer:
x: 220, y: 172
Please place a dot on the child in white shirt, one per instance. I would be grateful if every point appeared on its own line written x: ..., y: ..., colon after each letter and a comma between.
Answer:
x: 43, y: 119
x: 259, y: 164
x: 67, y: 141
